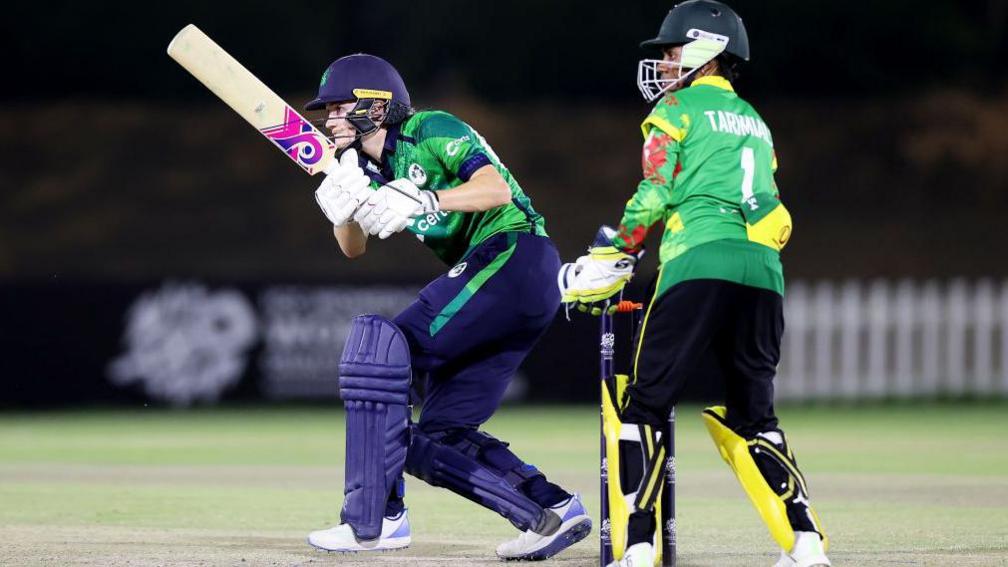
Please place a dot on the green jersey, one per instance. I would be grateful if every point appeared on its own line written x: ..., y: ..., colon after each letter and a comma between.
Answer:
x: 708, y: 166
x: 437, y: 152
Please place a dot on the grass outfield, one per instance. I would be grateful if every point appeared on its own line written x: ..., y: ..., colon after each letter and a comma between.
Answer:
x: 906, y: 484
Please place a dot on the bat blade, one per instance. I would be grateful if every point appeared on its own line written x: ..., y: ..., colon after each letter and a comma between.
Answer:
x: 252, y: 99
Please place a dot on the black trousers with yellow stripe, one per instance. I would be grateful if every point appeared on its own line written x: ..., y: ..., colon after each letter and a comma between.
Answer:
x: 703, y: 324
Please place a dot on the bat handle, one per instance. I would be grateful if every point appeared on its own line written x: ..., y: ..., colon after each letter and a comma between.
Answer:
x: 332, y: 167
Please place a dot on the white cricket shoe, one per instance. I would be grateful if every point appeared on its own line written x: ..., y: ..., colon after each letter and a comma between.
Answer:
x: 807, y: 552
x: 637, y: 555
x: 530, y: 546
x: 395, y: 534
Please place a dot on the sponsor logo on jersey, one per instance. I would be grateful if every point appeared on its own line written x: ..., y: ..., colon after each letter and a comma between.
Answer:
x: 417, y: 174
x: 430, y: 220
x: 457, y: 270
x: 452, y: 147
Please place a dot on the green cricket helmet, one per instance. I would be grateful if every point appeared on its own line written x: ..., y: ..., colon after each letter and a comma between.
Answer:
x: 705, y: 29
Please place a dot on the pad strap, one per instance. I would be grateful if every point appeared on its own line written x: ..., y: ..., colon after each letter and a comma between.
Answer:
x: 654, y: 451
x: 485, y: 447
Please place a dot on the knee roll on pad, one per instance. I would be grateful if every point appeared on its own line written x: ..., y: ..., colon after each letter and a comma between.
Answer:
x: 769, y: 474
x: 477, y: 466
x: 634, y: 467
x: 374, y: 384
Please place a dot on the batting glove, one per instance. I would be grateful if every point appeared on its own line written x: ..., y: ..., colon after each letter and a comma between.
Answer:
x: 343, y: 190
x: 392, y: 207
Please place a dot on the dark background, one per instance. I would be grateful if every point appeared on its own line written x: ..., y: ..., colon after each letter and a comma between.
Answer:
x: 890, y: 121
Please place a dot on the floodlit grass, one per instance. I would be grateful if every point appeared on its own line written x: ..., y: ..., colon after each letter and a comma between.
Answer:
x: 900, y: 484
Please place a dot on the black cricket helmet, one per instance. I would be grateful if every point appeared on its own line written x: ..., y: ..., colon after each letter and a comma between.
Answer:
x: 706, y: 16
x: 706, y: 29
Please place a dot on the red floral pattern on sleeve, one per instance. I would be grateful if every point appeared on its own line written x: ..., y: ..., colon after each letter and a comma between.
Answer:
x: 647, y: 206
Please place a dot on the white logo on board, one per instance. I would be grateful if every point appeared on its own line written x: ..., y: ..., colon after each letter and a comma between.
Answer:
x: 185, y: 344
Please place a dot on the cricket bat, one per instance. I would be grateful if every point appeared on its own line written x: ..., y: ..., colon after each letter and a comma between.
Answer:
x: 252, y: 100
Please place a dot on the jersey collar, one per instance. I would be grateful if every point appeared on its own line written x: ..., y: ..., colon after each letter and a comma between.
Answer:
x: 714, y: 81
x: 391, y: 139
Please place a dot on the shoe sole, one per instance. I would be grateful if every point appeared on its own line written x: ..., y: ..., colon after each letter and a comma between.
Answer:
x: 381, y: 548
x: 572, y: 535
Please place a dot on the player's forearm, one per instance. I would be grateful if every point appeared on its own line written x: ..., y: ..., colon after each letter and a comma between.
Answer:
x: 648, y: 204
x: 485, y: 190
x: 645, y: 209
x: 352, y: 240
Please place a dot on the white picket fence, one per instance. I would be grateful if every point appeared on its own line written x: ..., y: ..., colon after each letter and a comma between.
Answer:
x: 857, y: 340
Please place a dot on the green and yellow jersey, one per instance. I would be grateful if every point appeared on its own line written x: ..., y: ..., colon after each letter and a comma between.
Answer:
x: 437, y: 151
x: 709, y: 166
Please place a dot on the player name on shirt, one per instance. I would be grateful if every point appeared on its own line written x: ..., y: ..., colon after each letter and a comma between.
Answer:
x: 731, y: 123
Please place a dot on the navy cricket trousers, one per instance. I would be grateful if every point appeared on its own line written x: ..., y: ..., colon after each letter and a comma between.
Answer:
x: 470, y: 329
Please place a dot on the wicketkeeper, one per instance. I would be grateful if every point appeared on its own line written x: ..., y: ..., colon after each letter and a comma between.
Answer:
x: 709, y: 166
x: 464, y: 337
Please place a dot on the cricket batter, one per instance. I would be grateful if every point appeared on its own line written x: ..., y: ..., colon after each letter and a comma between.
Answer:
x: 709, y: 166
x: 465, y: 335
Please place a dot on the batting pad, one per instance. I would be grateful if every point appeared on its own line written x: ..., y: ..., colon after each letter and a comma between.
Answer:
x: 458, y: 461
x: 374, y: 384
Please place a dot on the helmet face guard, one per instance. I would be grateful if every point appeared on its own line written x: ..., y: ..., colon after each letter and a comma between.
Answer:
x: 369, y: 113
x: 653, y: 78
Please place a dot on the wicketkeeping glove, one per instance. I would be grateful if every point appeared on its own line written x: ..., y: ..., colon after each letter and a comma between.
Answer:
x: 598, y: 275
x: 345, y: 187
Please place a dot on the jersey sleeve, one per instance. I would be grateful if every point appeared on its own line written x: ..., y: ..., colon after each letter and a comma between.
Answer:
x: 670, y: 117
x: 648, y: 206
x: 454, y: 144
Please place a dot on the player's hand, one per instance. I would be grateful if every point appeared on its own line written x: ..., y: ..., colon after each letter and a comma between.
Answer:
x: 343, y: 190
x: 597, y: 276
x: 392, y: 207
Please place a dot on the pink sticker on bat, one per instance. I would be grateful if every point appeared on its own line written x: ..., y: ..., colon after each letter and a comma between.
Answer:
x: 300, y: 140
